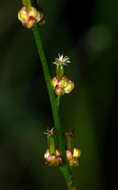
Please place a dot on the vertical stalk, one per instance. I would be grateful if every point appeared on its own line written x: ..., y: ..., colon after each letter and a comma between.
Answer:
x: 58, y: 101
x: 65, y: 169
x: 51, y: 144
x: 26, y: 3
x: 70, y: 143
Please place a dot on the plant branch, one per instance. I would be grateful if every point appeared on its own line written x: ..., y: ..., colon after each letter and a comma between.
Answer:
x: 65, y: 169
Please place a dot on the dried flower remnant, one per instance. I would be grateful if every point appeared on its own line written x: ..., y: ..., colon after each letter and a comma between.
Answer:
x: 61, y: 60
x: 49, y: 132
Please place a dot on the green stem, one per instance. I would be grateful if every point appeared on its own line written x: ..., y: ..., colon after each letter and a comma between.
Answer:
x: 65, y: 169
x: 52, y: 97
x: 27, y: 3
x: 51, y: 144
x: 70, y: 143
x: 58, y: 101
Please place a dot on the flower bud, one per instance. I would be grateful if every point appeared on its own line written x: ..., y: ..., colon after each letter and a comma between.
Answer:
x: 63, y: 82
x: 53, y: 159
x: 47, y: 153
x: 69, y: 155
x: 54, y: 82
x: 59, y: 91
x: 69, y: 87
x: 49, y: 158
x: 76, y: 153
x: 28, y: 17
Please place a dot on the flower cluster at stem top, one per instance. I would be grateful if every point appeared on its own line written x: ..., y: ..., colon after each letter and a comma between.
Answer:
x: 61, y: 84
x: 29, y: 17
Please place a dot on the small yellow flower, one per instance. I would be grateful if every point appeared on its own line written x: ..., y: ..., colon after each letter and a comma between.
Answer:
x: 69, y: 87
x: 76, y: 153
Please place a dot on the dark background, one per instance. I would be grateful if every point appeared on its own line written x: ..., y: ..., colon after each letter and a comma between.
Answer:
x: 87, y: 32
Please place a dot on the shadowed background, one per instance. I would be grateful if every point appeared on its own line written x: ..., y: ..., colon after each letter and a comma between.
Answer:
x: 86, y: 31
